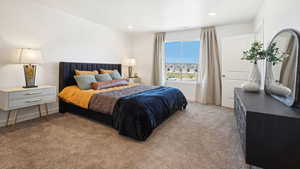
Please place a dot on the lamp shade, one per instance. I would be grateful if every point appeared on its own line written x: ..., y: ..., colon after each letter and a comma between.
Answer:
x: 30, y: 56
x: 130, y: 62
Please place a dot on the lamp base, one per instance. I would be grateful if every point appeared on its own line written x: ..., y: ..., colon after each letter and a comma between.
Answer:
x: 130, y: 71
x: 30, y: 73
x: 29, y: 87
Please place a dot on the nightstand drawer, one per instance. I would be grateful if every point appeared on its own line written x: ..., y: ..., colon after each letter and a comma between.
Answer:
x: 19, y: 103
x: 20, y: 95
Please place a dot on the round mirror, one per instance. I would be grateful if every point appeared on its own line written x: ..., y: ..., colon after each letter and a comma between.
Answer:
x: 281, y: 80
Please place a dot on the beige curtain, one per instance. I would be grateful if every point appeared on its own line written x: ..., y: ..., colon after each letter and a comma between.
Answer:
x: 208, y: 89
x: 159, y: 59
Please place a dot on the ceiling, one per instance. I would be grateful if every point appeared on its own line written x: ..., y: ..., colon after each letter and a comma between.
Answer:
x: 159, y: 15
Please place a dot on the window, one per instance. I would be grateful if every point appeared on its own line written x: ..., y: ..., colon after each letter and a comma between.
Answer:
x: 182, y: 60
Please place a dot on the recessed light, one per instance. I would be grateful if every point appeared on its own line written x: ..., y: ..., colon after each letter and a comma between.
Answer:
x: 130, y: 27
x: 212, y: 14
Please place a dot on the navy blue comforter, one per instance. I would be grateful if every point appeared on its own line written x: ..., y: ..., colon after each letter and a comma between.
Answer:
x: 139, y: 114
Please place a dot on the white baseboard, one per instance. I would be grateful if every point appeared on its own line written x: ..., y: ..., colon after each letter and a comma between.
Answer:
x: 28, y: 116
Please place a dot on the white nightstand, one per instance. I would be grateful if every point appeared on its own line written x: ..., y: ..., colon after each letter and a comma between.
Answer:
x: 134, y: 79
x: 16, y: 98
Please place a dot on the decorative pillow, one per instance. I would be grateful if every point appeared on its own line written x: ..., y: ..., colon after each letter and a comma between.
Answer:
x: 84, y: 81
x: 115, y: 76
x: 102, y: 71
x: 84, y: 72
x: 250, y: 87
x: 103, y: 77
x: 280, y: 90
x: 109, y: 84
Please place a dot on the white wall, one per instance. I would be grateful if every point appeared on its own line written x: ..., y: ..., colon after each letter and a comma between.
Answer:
x: 60, y: 36
x: 272, y: 18
x: 277, y: 15
x: 143, y: 51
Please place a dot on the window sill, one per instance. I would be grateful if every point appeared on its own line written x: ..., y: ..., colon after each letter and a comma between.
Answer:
x: 182, y: 82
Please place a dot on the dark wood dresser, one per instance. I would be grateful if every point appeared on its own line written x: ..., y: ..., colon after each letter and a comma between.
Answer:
x: 269, y: 130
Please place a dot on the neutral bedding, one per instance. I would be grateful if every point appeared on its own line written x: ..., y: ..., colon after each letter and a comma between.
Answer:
x: 136, y: 110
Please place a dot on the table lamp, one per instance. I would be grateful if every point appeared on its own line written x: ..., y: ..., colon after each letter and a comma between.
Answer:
x: 30, y: 58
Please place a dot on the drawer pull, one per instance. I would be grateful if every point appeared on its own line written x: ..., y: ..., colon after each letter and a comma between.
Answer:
x: 33, y: 93
x: 33, y: 101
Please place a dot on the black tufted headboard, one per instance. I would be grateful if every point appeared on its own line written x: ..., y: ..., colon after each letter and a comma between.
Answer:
x: 66, y: 71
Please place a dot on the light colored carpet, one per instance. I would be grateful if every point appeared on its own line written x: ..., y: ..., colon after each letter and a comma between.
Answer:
x: 202, y: 137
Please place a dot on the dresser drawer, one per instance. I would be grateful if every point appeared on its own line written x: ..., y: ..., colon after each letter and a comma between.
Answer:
x: 21, y: 95
x: 19, y: 103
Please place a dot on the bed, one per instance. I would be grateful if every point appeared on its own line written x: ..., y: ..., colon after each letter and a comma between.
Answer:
x: 135, y: 115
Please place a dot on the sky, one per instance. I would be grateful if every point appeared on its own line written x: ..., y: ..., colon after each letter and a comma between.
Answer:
x: 182, y: 52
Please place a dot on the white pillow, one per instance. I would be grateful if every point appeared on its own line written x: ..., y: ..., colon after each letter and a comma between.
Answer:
x: 278, y: 89
x: 250, y: 87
